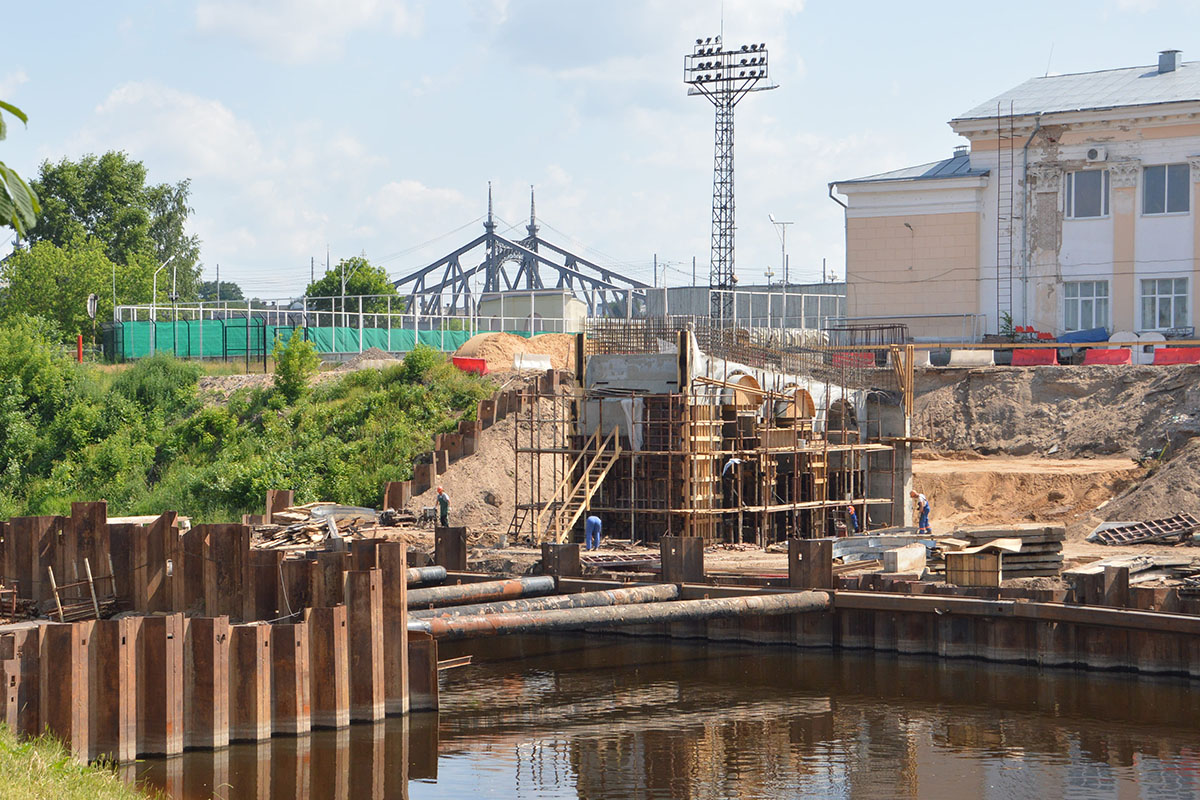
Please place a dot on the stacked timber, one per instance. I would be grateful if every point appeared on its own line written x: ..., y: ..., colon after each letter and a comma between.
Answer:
x: 1041, y: 547
x: 311, y: 524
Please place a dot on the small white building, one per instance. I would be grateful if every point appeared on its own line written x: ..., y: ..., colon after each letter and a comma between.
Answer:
x: 532, y: 311
x: 1073, y: 207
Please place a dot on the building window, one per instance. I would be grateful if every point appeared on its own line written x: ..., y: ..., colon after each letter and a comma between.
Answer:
x: 1164, y: 303
x: 1087, y: 194
x: 1165, y: 189
x: 1085, y: 305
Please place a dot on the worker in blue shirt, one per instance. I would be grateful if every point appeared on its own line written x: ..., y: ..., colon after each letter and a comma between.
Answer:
x: 591, y: 533
x: 852, y: 519
x: 923, y: 510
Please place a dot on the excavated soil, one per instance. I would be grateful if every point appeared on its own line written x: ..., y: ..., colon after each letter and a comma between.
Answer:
x: 498, y: 349
x: 481, y: 486
x: 1066, y: 412
x: 1058, y: 442
x: 965, y: 489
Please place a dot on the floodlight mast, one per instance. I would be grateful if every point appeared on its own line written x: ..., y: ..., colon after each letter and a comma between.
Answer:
x: 724, y: 77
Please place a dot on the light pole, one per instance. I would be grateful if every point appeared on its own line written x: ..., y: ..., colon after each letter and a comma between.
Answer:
x: 781, y: 231
x: 154, y: 305
x: 724, y: 76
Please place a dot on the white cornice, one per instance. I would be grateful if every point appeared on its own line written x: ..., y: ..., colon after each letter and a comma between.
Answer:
x: 1145, y: 115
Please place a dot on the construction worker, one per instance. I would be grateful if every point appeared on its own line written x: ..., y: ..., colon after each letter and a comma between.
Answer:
x: 922, y: 512
x: 591, y: 533
x: 852, y: 520
x: 443, y: 505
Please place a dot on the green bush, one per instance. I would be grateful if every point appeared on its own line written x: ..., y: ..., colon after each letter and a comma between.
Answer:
x: 161, y: 383
x: 296, y: 361
x: 149, y: 445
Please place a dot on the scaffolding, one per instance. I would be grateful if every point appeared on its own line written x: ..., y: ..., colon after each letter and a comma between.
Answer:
x: 717, y: 457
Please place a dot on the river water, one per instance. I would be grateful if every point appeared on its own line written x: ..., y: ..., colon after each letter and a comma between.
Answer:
x: 617, y: 717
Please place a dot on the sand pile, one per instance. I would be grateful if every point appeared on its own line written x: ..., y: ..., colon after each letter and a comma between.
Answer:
x: 1170, y: 488
x: 498, y: 349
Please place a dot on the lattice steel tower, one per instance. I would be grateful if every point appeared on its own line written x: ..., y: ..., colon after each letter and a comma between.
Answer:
x: 724, y: 77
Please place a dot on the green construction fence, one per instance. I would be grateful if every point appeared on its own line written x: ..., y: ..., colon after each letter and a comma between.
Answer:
x: 227, y: 338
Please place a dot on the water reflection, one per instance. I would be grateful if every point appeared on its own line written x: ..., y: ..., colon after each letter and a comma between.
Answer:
x: 596, y: 717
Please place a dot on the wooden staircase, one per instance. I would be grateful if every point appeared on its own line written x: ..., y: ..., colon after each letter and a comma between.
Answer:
x: 571, y: 496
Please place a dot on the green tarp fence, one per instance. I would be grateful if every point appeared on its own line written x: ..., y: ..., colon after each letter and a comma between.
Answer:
x: 216, y: 338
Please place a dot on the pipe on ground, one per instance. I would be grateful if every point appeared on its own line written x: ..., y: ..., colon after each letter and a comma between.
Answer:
x: 480, y: 592
x: 615, y: 616
x: 651, y: 593
x: 418, y: 575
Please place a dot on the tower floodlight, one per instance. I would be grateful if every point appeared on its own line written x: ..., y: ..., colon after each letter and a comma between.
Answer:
x: 715, y: 73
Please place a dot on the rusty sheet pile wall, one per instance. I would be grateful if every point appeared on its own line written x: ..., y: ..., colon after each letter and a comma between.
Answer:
x: 267, y: 647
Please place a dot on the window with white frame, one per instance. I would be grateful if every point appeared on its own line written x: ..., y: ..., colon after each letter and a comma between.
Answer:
x: 1085, y: 305
x: 1164, y: 303
x: 1165, y: 189
x: 1087, y: 194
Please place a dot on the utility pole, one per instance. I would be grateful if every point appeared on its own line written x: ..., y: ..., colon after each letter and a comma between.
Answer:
x: 218, y: 283
x: 724, y: 77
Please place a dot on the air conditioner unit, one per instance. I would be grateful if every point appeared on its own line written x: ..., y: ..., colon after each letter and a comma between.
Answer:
x: 1097, y: 154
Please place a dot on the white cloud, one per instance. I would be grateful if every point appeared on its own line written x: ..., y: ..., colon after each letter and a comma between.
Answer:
x: 302, y: 30
x: 9, y: 83
x: 266, y: 200
x: 398, y: 201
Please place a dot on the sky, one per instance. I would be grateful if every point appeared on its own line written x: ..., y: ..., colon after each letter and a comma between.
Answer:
x: 315, y: 128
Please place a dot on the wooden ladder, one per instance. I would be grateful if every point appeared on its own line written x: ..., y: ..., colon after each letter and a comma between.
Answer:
x: 571, y: 498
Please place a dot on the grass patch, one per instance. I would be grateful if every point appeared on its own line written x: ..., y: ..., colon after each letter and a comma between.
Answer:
x: 42, y: 768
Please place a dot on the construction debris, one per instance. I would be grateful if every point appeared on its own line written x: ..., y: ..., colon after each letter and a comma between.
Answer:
x: 1171, y: 530
x: 310, y: 525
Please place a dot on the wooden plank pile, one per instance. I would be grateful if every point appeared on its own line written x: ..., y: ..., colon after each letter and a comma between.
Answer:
x: 309, y: 525
x: 1041, y: 547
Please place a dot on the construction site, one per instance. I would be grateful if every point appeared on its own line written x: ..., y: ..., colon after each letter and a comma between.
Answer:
x: 699, y: 540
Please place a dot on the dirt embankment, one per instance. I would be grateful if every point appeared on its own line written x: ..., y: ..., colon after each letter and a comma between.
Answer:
x: 1071, y: 431
x: 481, y: 486
x: 966, y: 490
x: 1073, y: 411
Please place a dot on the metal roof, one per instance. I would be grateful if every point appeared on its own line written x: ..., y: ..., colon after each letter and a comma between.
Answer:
x: 958, y: 166
x: 1085, y: 91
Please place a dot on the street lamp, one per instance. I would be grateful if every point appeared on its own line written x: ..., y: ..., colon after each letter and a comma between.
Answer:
x: 781, y: 231
x: 154, y: 305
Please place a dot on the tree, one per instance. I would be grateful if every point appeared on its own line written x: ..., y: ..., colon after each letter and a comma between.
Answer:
x: 296, y: 361
x: 361, y: 278
x: 19, y: 204
x: 207, y: 290
x: 54, y: 282
x: 107, y: 198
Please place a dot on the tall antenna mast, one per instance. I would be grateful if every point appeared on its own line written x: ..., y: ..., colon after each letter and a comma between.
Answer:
x: 724, y: 77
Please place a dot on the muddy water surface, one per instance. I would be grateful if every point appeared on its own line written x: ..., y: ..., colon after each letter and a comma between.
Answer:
x: 614, y: 717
